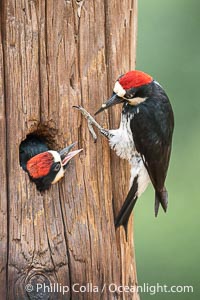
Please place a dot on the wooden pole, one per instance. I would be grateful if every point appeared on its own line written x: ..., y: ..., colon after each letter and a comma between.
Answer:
x: 53, y: 55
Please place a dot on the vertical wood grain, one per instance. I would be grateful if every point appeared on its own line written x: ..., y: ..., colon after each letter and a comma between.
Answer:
x: 3, y: 178
x: 58, y: 54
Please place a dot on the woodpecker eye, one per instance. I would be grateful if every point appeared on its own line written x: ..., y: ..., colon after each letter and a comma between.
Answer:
x: 57, y: 167
x: 129, y: 96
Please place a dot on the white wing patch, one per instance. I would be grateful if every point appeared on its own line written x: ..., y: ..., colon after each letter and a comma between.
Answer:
x: 138, y: 169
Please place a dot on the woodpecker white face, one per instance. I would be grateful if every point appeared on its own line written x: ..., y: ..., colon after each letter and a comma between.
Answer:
x: 62, y: 163
x: 58, y: 167
x: 120, y: 92
x: 126, y: 87
x: 118, y: 89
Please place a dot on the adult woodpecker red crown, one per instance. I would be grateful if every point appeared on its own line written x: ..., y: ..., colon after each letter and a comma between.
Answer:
x: 125, y: 88
x: 134, y: 79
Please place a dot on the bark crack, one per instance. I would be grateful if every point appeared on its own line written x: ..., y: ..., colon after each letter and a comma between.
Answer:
x: 67, y: 246
x: 48, y: 242
x: 6, y: 137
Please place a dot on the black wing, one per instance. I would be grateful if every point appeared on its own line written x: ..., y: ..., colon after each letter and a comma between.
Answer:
x: 152, y: 128
x: 127, y: 207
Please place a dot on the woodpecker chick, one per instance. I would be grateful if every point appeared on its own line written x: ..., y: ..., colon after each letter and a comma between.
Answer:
x: 144, y: 136
x: 44, y: 167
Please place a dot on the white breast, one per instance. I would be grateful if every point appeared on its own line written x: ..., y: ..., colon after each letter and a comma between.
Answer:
x: 121, y: 139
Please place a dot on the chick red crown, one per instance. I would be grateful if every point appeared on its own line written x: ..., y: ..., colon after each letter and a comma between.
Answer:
x: 40, y: 165
x: 134, y: 79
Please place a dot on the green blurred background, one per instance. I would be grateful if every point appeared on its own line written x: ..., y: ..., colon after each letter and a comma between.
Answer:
x: 168, y: 248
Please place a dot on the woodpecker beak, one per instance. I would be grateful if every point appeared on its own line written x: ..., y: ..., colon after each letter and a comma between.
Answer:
x: 66, y: 155
x: 112, y: 101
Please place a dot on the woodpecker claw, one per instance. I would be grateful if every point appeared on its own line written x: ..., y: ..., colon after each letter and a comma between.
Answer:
x: 91, y: 122
x: 92, y: 132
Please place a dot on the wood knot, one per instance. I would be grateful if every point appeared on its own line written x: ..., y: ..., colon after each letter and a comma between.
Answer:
x: 38, y: 286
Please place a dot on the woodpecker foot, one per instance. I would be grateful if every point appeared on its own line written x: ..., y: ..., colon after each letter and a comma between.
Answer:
x: 92, y: 122
x: 105, y: 132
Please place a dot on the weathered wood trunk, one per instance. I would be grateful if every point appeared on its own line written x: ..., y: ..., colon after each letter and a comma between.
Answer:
x: 53, y: 55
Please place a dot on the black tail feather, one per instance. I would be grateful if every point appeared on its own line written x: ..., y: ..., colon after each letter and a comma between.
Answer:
x: 127, y: 207
x: 157, y: 205
x: 161, y: 197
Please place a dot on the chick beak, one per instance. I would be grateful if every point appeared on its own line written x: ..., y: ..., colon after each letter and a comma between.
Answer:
x: 110, y: 102
x: 66, y: 155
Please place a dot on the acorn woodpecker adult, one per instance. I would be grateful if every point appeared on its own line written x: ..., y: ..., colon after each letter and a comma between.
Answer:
x: 144, y: 136
x: 44, y: 166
